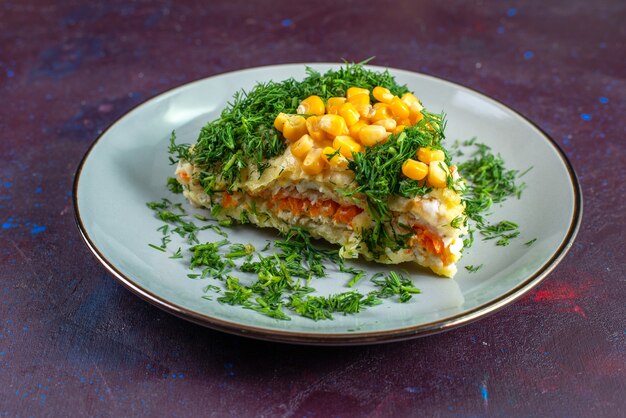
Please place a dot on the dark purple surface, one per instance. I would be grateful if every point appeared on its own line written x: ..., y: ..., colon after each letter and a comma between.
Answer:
x: 74, y: 341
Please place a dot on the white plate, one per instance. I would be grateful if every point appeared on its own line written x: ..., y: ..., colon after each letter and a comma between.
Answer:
x: 128, y: 166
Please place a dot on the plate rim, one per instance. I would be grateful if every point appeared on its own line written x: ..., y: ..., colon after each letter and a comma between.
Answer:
x: 344, y: 338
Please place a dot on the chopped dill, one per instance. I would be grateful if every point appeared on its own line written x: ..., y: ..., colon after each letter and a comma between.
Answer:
x: 177, y: 254
x: 395, y: 284
x: 489, y: 182
x: 323, y: 307
x: 457, y: 222
x: 211, y: 287
x: 207, y: 254
x: 239, y: 250
x: 156, y: 247
x: 531, y: 242
x: 503, y: 231
x: 174, y: 186
x: 472, y: 268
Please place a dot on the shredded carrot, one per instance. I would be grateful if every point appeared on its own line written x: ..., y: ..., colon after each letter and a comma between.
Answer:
x: 327, y: 208
x: 228, y: 201
x: 345, y: 214
x: 430, y: 241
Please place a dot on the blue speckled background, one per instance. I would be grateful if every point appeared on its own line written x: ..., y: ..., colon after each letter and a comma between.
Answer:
x: 74, y: 342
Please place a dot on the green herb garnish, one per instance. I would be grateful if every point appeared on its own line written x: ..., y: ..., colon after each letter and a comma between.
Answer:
x: 473, y: 269
x: 531, y: 242
x: 244, y: 134
x: 395, y: 284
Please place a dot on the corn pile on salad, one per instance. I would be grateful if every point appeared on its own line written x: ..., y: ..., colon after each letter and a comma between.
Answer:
x: 349, y: 156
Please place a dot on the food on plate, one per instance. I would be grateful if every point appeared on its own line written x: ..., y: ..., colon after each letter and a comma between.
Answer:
x: 350, y: 156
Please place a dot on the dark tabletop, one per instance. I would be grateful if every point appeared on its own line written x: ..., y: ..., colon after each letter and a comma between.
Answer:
x: 73, y: 341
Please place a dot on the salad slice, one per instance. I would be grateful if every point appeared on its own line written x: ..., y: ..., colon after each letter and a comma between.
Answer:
x: 349, y: 156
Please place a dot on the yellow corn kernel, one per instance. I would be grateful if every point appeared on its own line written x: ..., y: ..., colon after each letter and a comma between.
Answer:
x: 353, y: 91
x: 399, y: 109
x: 359, y: 99
x: 294, y: 127
x: 349, y: 113
x: 302, y: 146
x: 314, y: 129
x: 399, y: 129
x: 354, y: 129
x: 381, y: 111
x: 428, y: 155
x: 365, y: 111
x: 415, y: 170
x: 437, y: 174
x: 333, y: 125
x: 337, y: 161
x: 312, y: 105
x: 416, y: 118
x: 346, y: 145
x: 413, y: 102
x: 313, y: 162
x: 333, y: 104
x: 388, y: 124
x: 279, y: 122
x: 409, y: 98
x: 382, y: 94
x: 371, y: 135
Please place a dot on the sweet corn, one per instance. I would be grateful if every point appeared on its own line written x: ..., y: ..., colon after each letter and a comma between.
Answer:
x: 428, y: 155
x: 333, y: 125
x: 359, y: 99
x: 302, y: 146
x: 365, y: 111
x: 399, y: 109
x: 313, y: 127
x: 312, y: 105
x: 349, y: 113
x: 294, y: 127
x: 346, y: 145
x: 388, y: 124
x: 279, y: 122
x: 399, y: 129
x: 416, y: 118
x: 415, y: 170
x: 381, y: 111
x: 337, y: 161
x: 437, y: 174
x: 356, y: 128
x: 371, y: 135
x: 382, y: 94
x: 353, y: 91
x: 333, y: 104
x: 413, y: 102
x: 313, y: 162
x: 409, y: 98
